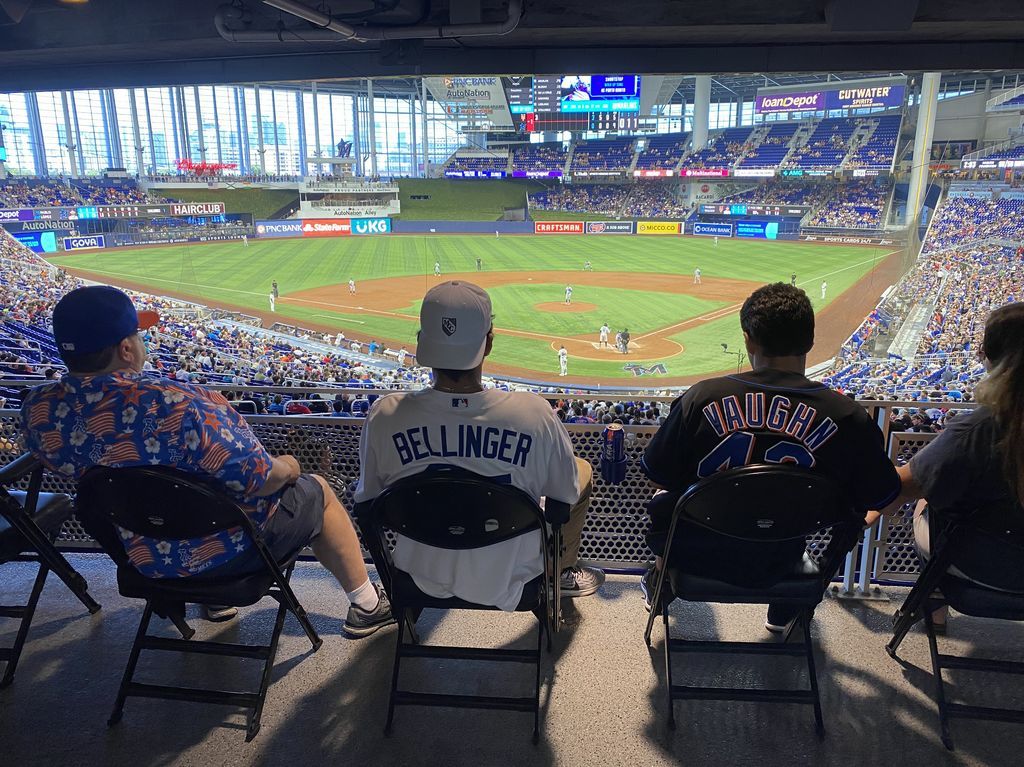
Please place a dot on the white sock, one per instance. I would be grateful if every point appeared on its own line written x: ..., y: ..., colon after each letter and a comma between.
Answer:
x: 365, y: 597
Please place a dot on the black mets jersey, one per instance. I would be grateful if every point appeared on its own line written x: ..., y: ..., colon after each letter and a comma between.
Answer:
x: 771, y: 416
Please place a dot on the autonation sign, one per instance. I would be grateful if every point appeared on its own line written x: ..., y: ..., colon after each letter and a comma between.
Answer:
x: 84, y: 243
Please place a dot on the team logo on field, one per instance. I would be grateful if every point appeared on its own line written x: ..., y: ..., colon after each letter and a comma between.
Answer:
x: 448, y: 325
x: 640, y: 370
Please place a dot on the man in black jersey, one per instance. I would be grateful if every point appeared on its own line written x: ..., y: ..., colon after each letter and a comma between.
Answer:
x: 772, y: 414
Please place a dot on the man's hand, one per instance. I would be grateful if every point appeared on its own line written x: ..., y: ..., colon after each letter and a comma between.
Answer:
x: 284, y: 471
x: 294, y: 469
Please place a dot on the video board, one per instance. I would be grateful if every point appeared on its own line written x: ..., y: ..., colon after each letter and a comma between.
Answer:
x: 93, y: 212
x: 742, y: 209
x: 574, y: 102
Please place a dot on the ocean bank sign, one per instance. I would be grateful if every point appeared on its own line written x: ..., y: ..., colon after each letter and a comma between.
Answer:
x: 85, y: 243
x: 371, y: 226
x: 712, y: 229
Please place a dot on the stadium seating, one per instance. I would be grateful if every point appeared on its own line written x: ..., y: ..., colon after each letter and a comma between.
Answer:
x: 591, y: 198
x: 538, y: 157
x: 602, y: 155
x: 40, y: 193
x: 962, y: 219
x: 826, y: 147
x: 857, y: 205
x: 663, y: 152
x: 880, y: 148
x: 787, y: 192
x: 771, y: 150
x: 721, y: 152
x: 498, y: 161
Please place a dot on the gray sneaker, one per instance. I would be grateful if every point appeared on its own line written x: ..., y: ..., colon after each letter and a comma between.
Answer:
x: 580, y: 581
x: 362, y: 623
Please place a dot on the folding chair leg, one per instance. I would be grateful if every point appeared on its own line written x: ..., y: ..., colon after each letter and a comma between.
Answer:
x: 268, y: 666
x: 940, y: 688
x: 812, y: 673
x: 536, y: 700
x: 129, y: 670
x: 27, y: 612
x: 288, y: 600
x: 394, y: 677
x: 668, y: 666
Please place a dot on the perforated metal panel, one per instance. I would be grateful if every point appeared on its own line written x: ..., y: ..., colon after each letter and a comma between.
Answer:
x: 896, y: 554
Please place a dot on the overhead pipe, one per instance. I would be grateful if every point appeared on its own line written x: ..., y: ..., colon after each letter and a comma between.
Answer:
x: 331, y: 29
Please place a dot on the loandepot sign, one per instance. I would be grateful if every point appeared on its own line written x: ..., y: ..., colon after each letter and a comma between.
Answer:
x: 479, y: 102
x: 854, y: 94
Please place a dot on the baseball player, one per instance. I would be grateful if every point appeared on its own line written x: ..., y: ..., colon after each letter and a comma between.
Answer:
x: 563, y: 361
x: 696, y: 276
x: 625, y: 340
x: 716, y: 240
x: 352, y: 287
x: 437, y: 268
x: 618, y: 341
x: 568, y: 294
x: 273, y: 300
x: 479, y: 263
x: 792, y: 280
x: 824, y: 288
x: 245, y: 240
x: 274, y: 290
x: 603, y: 334
x: 587, y: 267
x: 402, y: 354
x: 496, y: 235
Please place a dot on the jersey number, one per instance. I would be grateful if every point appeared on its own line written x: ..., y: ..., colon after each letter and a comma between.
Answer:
x: 736, y: 449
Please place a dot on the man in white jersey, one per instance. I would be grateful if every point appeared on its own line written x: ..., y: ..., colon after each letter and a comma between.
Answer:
x: 603, y: 337
x: 563, y: 361
x: 568, y: 294
x: 824, y: 288
x: 351, y: 287
x: 437, y: 268
x: 511, y: 437
x: 245, y: 240
x: 696, y: 276
x: 273, y: 300
x: 402, y: 354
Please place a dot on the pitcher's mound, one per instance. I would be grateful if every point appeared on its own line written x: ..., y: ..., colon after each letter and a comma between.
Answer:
x: 558, y: 306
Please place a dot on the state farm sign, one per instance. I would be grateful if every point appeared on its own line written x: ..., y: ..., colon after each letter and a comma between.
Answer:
x: 326, y: 227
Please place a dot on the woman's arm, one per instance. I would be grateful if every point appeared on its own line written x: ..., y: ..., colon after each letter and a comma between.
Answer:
x: 910, y: 491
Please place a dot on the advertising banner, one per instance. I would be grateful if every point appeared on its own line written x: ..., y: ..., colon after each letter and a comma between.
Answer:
x: 38, y: 242
x: 558, y: 227
x: 658, y: 227
x: 609, y: 227
x: 17, y: 214
x: 475, y: 173
x: 849, y: 239
x: 38, y: 226
x: 371, y: 226
x: 326, y: 227
x: 536, y: 174
x: 868, y: 97
x: 290, y: 228
x: 704, y: 172
x: 196, y: 208
x: 655, y: 173
x: 90, y: 242
x: 754, y: 172
x: 764, y: 230
x: 703, y: 229
x: 480, y: 101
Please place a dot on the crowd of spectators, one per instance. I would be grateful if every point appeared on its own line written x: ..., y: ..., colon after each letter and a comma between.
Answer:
x: 785, y: 192
x: 629, y: 413
x: 539, y: 157
x: 606, y: 154
x: 45, y: 193
x: 723, y: 150
x: 826, y: 147
x: 966, y: 283
x: 663, y: 152
x: 880, y: 147
x: 645, y: 199
x: 962, y: 219
x: 772, y: 148
x: 856, y: 205
x: 498, y: 161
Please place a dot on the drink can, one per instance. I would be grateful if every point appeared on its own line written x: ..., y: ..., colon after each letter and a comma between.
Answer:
x: 613, y: 454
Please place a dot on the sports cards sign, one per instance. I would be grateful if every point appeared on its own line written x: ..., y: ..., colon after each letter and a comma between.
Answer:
x: 558, y: 227
x: 84, y: 243
x: 609, y: 227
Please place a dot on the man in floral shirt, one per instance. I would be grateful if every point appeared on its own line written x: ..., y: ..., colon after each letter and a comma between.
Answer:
x: 104, y: 412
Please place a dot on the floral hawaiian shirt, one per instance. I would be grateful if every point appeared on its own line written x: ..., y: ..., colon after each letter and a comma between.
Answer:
x: 124, y: 419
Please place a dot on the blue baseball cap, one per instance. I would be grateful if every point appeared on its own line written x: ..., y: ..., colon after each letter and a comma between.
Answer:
x: 89, y: 319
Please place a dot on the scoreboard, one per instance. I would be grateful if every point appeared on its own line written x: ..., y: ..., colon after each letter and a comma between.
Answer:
x: 742, y: 209
x: 94, y: 212
x: 574, y: 102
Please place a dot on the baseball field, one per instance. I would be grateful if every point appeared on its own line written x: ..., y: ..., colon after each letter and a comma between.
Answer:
x: 643, y: 284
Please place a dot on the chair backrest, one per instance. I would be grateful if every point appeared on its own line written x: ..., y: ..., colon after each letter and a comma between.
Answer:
x: 157, y: 502
x: 767, y: 503
x: 988, y: 546
x: 455, y: 509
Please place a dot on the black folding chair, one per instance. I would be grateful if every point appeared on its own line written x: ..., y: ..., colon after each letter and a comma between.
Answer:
x: 165, y: 503
x: 987, y: 546
x: 762, y: 504
x: 455, y: 509
x: 29, y: 522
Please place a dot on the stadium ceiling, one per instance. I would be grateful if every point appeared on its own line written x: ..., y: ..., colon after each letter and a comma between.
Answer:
x: 52, y: 44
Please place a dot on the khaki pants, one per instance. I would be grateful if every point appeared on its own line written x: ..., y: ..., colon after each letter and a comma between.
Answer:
x: 573, y: 529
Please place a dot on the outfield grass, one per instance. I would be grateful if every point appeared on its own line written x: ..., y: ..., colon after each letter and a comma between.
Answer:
x: 229, y: 273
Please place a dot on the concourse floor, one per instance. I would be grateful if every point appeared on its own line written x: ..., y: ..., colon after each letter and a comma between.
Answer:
x: 603, y: 694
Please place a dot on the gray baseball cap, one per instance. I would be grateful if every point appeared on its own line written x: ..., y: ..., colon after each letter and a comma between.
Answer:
x: 454, y: 321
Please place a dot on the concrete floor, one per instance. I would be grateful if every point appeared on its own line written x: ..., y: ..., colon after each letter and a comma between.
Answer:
x: 603, y: 694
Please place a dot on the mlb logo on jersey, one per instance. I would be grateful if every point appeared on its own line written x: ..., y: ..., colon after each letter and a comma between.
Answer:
x: 460, y: 402
x: 448, y: 325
